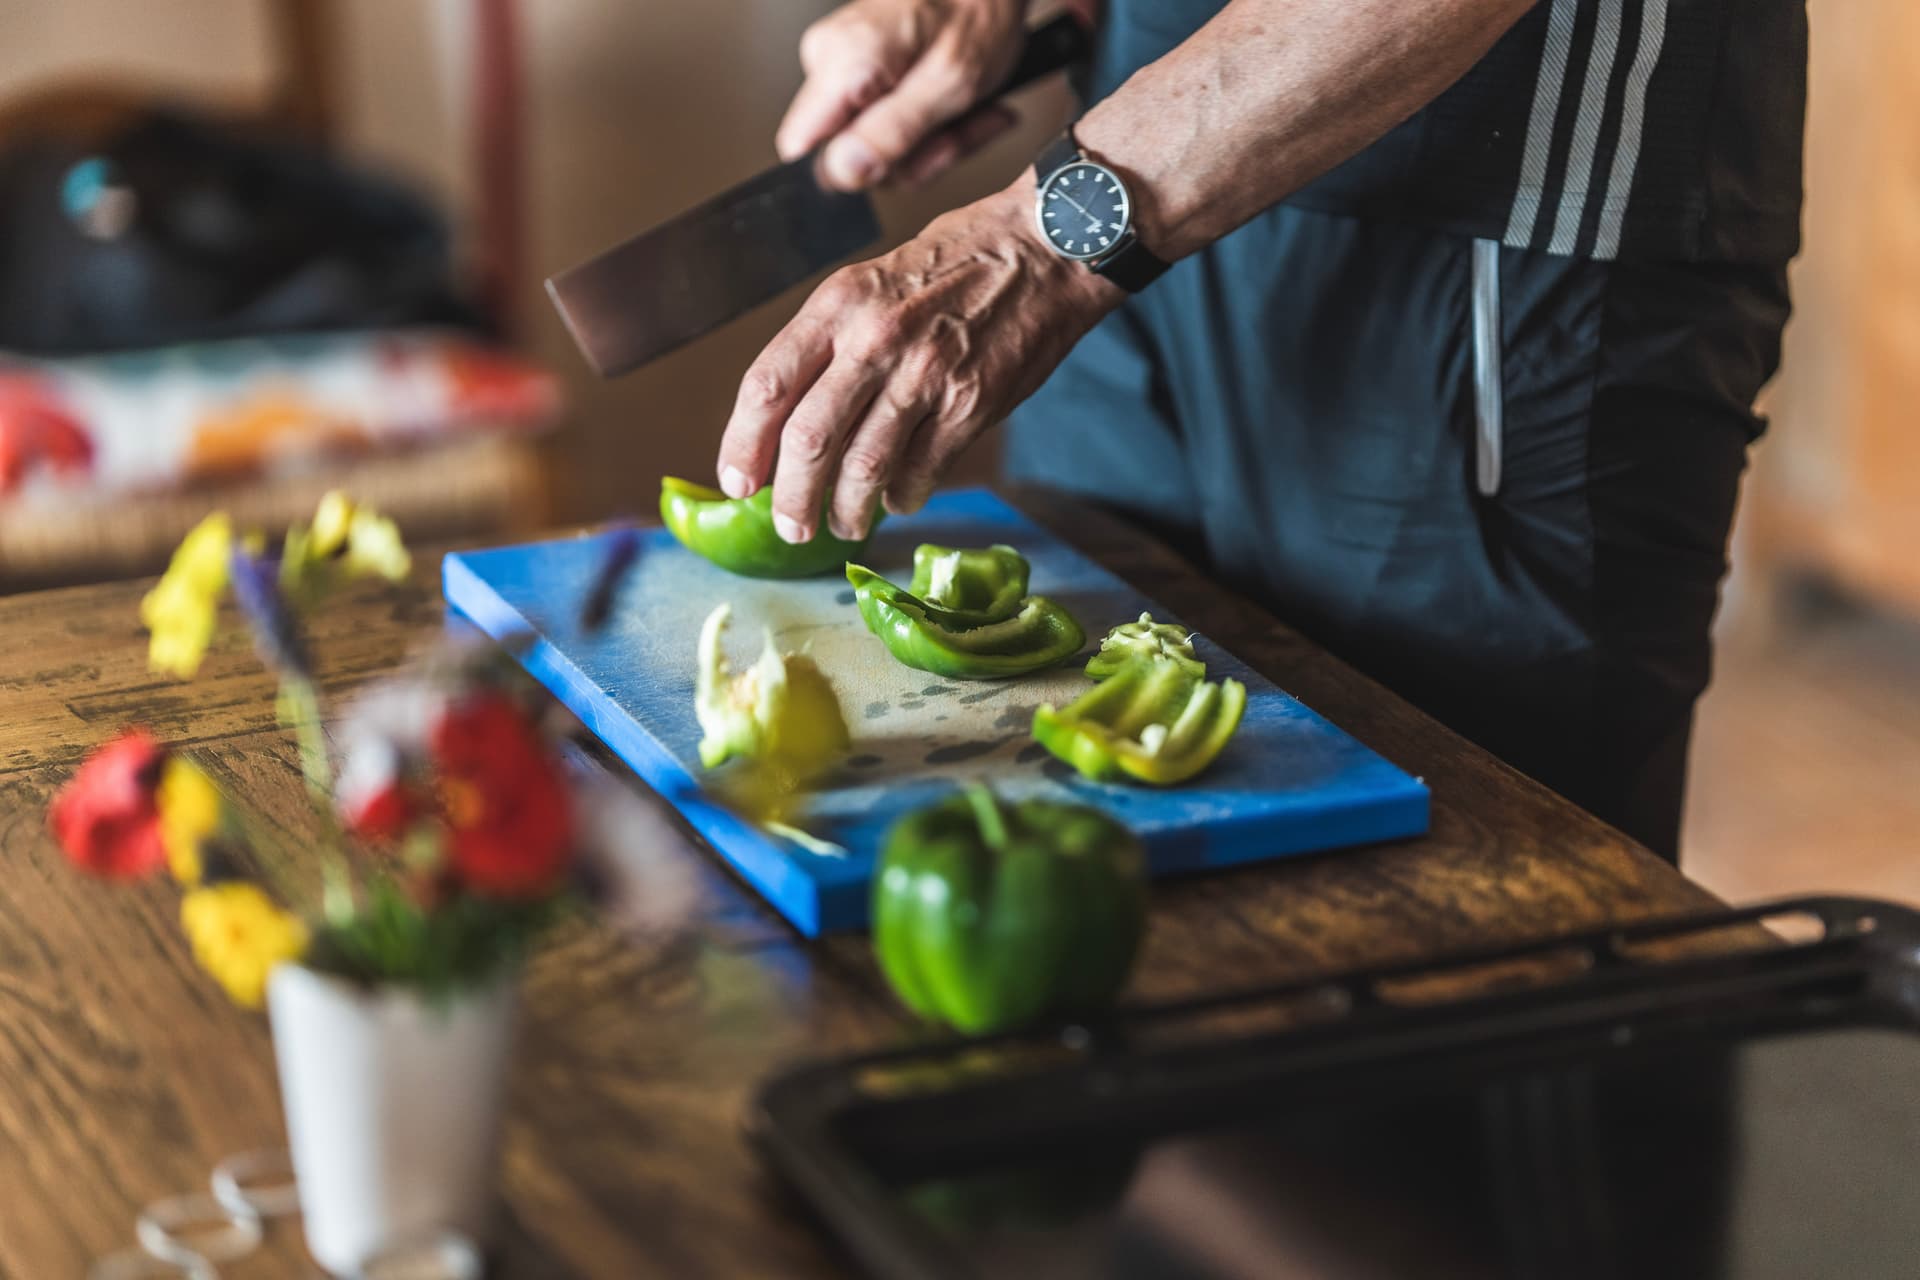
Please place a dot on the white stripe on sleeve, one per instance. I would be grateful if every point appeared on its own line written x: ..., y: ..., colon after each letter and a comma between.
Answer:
x: 1546, y: 105
x: 1626, y: 155
x: 1586, y: 130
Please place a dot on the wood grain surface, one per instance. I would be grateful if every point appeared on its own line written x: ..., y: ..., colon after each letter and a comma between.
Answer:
x: 125, y: 1077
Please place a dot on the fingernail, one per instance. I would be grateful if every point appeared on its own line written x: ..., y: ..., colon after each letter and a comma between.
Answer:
x: 734, y: 483
x: 788, y: 528
x: 850, y: 162
x: 842, y: 530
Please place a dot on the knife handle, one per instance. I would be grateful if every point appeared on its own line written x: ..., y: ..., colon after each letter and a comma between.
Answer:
x: 1050, y: 47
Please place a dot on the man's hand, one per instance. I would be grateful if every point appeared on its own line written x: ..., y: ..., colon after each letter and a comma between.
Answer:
x: 895, y: 365
x: 893, y: 84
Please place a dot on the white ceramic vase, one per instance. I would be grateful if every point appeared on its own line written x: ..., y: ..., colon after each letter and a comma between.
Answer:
x: 393, y: 1108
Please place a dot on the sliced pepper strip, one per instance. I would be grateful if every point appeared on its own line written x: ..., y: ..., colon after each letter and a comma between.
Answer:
x: 962, y: 588
x: 1151, y: 721
x: 738, y: 534
x: 1039, y: 635
x: 1145, y: 639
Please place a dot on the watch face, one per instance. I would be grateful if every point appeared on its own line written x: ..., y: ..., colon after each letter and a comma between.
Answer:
x: 1083, y: 210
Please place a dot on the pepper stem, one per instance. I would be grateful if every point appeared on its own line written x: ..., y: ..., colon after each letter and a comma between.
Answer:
x: 986, y: 812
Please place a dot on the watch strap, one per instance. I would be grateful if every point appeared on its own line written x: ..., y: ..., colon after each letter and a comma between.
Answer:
x: 1133, y: 268
x: 1056, y: 155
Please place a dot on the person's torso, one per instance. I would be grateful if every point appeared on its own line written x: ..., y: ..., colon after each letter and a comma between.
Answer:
x: 1646, y: 129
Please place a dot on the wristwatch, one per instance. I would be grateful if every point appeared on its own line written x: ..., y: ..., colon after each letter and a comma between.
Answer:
x: 1086, y: 215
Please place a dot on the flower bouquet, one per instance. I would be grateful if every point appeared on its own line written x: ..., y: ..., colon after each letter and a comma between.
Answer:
x: 388, y: 954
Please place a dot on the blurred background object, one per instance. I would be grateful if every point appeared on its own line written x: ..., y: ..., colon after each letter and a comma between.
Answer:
x: 1806, y: 763
x: 208, y: 299
x: 1837, y: 490
x: 543, y: 132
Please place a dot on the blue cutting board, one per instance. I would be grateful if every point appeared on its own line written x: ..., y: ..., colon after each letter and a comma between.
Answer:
x: 1289, y: 782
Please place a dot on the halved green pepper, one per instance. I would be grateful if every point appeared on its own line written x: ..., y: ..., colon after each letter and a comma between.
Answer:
x: 738, y: 535
x: 969, y: 588
x: 1145, y: 639
x: 1151, y: 721
x: 988, y: 915
x: 1038, y: 634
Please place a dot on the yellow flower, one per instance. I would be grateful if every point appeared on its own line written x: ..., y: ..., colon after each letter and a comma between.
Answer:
x: 239, y: 936
x: 344, y: 541
x: 181, y: 609
x: 374, y: 548
x: 189, y: 813
x: 328, y: 532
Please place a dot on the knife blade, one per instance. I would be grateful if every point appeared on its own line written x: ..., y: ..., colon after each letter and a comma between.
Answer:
x: 665, y: 287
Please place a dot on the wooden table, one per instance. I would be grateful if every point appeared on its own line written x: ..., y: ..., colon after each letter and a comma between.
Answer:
x: 124, y: 1076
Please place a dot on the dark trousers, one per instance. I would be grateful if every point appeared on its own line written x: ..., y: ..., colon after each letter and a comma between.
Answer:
x: 1303, y: 408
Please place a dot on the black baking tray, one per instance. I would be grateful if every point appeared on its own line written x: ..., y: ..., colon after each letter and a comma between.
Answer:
x: 1734, y: 1095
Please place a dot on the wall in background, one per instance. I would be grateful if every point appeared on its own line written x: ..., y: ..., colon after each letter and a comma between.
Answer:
x: 197, y: 46
x: 1837, y: 488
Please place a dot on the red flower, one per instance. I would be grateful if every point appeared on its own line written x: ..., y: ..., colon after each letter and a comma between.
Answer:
x: 508, y: 811
x: 380, y: 791
x: 381, y: 813
x: 106, y: 817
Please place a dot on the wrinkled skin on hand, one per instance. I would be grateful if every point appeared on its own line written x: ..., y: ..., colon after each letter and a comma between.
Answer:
x: 895, y: 365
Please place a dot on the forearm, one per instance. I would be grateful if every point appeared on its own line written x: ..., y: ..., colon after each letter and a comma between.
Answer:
x: 1272, y: 93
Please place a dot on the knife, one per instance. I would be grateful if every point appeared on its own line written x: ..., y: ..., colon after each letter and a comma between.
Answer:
x: 720, y: 259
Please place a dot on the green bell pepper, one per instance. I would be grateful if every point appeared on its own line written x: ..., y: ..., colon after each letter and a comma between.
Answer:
x: 1038, y: 634
x: 738, y: 535
x: 1151, y: 721
x: 961, y: 588
x: 1145, y: 639
x: 988, y: 915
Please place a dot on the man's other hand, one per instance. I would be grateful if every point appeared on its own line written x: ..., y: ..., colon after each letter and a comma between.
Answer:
x: 893, y: 87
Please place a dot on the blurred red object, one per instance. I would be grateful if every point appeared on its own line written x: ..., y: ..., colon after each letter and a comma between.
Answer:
x: 492, y: 385
x: 508, y: 810
x: 37, y: 433
x: 107, y: 817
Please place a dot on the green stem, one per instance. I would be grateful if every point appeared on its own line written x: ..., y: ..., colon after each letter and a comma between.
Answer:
x: 986, y: 812
x: 269, y: 855
x: 300, y: 710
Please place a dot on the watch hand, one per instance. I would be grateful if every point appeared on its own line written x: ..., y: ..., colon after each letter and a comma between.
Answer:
x: 1076, y: 204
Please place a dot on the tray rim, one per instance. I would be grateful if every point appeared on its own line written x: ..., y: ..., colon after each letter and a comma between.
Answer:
x: 789, y: 1116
